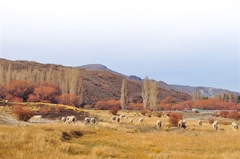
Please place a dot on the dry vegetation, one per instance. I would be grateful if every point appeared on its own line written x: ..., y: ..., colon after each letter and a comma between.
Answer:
x: 109, y: 139
x: 93, y: 85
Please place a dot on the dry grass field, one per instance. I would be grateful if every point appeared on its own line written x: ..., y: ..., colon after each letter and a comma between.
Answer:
x: 107, y: 140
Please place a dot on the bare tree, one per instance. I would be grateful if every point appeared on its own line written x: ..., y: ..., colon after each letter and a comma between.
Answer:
x: 154, y: 90
x: 196, y: 95
x: 124, y: 94
x: 150, y: 93
x: 145, y: 93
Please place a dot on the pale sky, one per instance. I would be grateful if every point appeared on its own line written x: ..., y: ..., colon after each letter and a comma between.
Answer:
x: 185, y: 42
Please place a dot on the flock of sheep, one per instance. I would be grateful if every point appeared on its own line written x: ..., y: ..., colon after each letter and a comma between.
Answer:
x: 159, y: 123
x: 73, y: 119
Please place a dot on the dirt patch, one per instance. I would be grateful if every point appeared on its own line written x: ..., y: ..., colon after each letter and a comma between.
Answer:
x: 7, y: 119
x: 40, y: 116
x: 53, y: 115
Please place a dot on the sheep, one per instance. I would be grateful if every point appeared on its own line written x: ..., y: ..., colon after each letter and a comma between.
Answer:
x: 215, y: 125
x: 118, y: 119
x: 93, y: 120
x: 130, y: 121
x: 122, y: 116
x: 141, y: 119
x: 182, y: 124
x: 87, y: 120
x: 71, y: 119
x: 113, y: 118
x: 159, y: 124
x: 126, y: 117
x: 63, y: 119
x: 234, y: 125
x: 199, y: 122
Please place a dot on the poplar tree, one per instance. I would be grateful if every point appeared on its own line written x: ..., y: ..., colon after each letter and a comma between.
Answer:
x: 150, y: 93
x: 145, y: 93
x: 124, y: 94
x: 154, y: 90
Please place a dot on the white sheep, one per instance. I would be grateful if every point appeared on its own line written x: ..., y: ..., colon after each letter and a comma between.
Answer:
x: 182, y: 124
x: 87, y: 120
x: 215, y: 125
x: 122, y: 116
x: 235, y: 125
x: 141, y: 119
x: 199, y: 122
x: 159, y: 124
x: 113, y: 118
x: 63, y: 119
x: 118, y: 119
x: 93, y: 120
x: 71, y: 119
x: 130, y: 121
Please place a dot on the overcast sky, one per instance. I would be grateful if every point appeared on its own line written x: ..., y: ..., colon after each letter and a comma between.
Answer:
x: 187, y: 42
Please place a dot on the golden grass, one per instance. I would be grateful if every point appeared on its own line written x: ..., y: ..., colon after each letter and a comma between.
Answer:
x: 118, y: 140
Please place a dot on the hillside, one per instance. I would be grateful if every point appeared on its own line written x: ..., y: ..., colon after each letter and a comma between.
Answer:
x: 96, y: 84
x: 205, y: 91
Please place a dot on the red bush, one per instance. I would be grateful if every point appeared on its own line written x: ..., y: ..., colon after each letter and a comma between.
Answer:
x: 135, y: 106
x: 114, y: 110
x: 143, y: 111
x: 224, y: 114
x: 174, y: 118
x: 234, y: 115
x: 59, y: 108
x: 211, y: 120
x: 159, y: 114
x: 22, y: 114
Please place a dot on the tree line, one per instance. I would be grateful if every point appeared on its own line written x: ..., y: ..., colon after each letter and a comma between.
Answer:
x: 64, y: 85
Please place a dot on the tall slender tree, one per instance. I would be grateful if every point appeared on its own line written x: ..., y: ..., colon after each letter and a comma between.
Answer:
x: 154, y: 90
x: 124, y: 94
x: 145, y: 93
x: 196, y: 94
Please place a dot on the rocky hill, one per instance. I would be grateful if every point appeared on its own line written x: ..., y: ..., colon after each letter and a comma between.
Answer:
x: 99, y: 83
x: 205, y: 91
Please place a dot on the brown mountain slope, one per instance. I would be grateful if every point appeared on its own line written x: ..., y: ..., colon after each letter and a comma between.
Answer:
x: 96, y: 85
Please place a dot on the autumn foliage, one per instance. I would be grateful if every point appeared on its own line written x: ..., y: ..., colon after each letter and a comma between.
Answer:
x: 106, y: 105
x: 230, y: 114
x: 23, y: 91
x: 114, y: 110
x: 22, y: 114
x: 174, y: 118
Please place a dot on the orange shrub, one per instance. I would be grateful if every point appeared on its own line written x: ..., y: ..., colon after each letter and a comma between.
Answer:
x: 135, y: 106
x: 174, y: 118
x: 22, y: 114
x: 143, y: 111
x: 224, y: 114
x: 234, y: 115
x: 106, y: 105
x: 44, y: 110
x: 211, y: 120
x: 58, y: 108
x: 17, y: 99
x: 159, y: 114
x: 114, y: 110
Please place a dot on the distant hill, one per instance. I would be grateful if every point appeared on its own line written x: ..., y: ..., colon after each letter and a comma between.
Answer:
x: 99, y: 82
x: 100, y: 67
x: 205, y: 91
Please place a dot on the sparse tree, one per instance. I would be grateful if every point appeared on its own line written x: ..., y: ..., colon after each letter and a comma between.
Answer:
x: 150, y: 92
x: 153, y: 94
x: 196, y: 95
x: 124, y: 94
x: 146, y: 93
